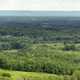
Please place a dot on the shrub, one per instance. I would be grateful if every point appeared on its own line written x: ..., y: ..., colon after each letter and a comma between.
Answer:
x: 68, y: 47
x: 76, y: 75
x: 6, y: 74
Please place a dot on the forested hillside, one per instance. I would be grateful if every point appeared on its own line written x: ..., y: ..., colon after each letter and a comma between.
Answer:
x: 41, y: 28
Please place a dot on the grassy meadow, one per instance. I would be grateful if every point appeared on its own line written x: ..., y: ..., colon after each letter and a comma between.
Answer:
x: 17, y: 75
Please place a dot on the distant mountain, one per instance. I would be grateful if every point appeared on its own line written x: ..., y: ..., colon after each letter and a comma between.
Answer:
x: 41, y: 13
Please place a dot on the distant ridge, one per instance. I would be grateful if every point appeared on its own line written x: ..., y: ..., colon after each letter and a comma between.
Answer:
x: 41, y: 13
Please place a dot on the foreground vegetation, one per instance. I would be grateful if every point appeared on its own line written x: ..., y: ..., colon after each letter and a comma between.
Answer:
x: 15, y: 75
x: 19, y: 75
x: 51, y: 58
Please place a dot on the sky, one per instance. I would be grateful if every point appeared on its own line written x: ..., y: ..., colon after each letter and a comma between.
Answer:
x: 49, y: 5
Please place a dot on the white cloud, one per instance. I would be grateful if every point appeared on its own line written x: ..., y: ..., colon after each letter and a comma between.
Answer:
x: 39, y: 5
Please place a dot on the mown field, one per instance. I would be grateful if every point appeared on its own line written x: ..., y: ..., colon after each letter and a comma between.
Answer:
x: 17, y: 75
x: 20, y: 75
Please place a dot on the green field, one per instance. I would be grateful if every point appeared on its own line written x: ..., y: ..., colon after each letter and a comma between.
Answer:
x: 17, y: 75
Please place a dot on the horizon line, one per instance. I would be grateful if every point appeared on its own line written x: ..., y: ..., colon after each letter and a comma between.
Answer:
x: 46, y: 10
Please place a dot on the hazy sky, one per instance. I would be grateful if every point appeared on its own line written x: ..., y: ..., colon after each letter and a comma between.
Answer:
x: 40, y: 5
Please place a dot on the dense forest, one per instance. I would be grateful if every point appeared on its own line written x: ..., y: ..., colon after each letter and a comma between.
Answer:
x: 41, y: 29
x: 40, y: 44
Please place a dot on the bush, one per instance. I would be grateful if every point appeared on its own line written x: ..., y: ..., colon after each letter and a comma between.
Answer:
x: 68, y: 47
x: 6, y: 74
x: 76, y: 75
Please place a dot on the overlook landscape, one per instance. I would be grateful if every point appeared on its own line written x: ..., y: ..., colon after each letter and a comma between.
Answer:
x: 39, y: 39
x: 39, y: 45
